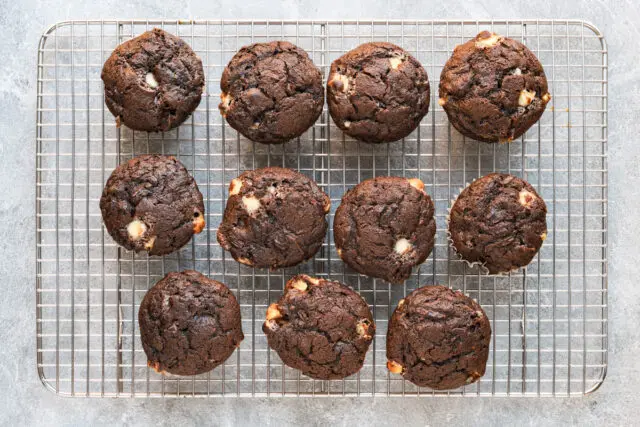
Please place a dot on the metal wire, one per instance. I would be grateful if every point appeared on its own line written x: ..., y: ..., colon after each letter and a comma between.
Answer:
x: 549, y: 320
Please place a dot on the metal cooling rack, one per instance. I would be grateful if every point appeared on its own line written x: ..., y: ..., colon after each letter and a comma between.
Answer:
x: 549, y: 320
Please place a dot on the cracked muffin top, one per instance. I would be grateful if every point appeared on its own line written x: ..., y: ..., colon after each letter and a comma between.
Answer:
x: 321, y: 327
x: 189, y: 324
x: 499, y: 221
x: 153, y: 82
x: 271, y: 92
x: 493, y: 88
x: 274, y: 218
x: 384, y: 227
x: 151, y: 203
x: 377, y: 92
x: 438, y: 338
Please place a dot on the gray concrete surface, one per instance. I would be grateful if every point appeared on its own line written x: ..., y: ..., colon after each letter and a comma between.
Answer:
x: 23, y: 400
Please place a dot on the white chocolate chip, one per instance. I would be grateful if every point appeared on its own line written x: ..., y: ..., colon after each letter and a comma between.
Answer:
x: 198, y: 224
x: 149, y: 245
x: 225, y: 104
x: 271, y: 189
x: 396, y: 61
x: 401, y: 303
x: 300, y: 285
x: 151, y: 80
x: 136, y: 229
x: 473, y: 377
x: 245, y: 261
x: 251, y: 204
x: 341, y: 81
x: 490, y: 41
x: 346, y: 124
x: 526, y: 97
x: 235, y: 187
x: 480, y: 314
x: 273, y: 312
x: 442, y: 101
x: 402, y: 246
x: 339, y: 252
x: 155, y: 366
x: 313, y: 280
x: 526, y: 198
x: 546, y: 97
x: 416, y: 183
x: 362, y: 328
x: 517, y: 72
x: 543, y: 236
x: 394, y: 367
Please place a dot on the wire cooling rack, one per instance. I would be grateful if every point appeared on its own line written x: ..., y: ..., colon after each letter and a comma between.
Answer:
x: 549, y: 320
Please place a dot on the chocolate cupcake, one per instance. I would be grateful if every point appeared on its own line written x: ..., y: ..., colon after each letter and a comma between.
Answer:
x: 151, y: 203
x: 384, y: 227
x: 438, y: 338
x: 493, y: 88
x: 271, y: 92
x: 377, y: 92
x: 274, y: 218
x: 320, y: 327
x: 153, y: 82
x: 499, y: 221
x: 189, y: 324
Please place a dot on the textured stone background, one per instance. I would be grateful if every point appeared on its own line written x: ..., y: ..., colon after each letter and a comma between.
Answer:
x: 23, y: 400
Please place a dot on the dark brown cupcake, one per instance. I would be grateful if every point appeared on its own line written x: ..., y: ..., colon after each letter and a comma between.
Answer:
x: 189, y: 324
x: 384, y: 227
x: 499, y: 221
x: 151, y: 203
x: 153, y: 82
x: 271, y: 92
x: 321, y: 327
x: 274, y: 218
x: 493, y: 88
x: 377, y: 92
x: 438, y: 338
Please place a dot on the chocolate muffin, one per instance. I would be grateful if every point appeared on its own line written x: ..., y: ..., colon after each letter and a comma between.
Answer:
x: 151, y: 203
x: 499, y: 221
x: 377, y: 92
x: 153, y: 82
x: 189, y: 324
x: 493, y: 88
x: 384, y: 227
x: 274, y: 218
x: 438, y: 338
x: 320, y: 327
x: 271, y: 92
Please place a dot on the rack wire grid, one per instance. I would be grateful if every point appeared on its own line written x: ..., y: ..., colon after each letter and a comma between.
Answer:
x: 549, y: 320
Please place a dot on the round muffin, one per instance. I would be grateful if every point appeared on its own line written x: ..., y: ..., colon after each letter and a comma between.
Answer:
x: 274, y: 218
x: 153, y: 82
x: 384, y: 227
x: 438, y: 338
x: 320, y: 327
x: 271, y: 92
x: 499, y: 221
x: 493, y: 88
x: 189, y: 324
x: 151, y: 203
x: 377, y: 92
